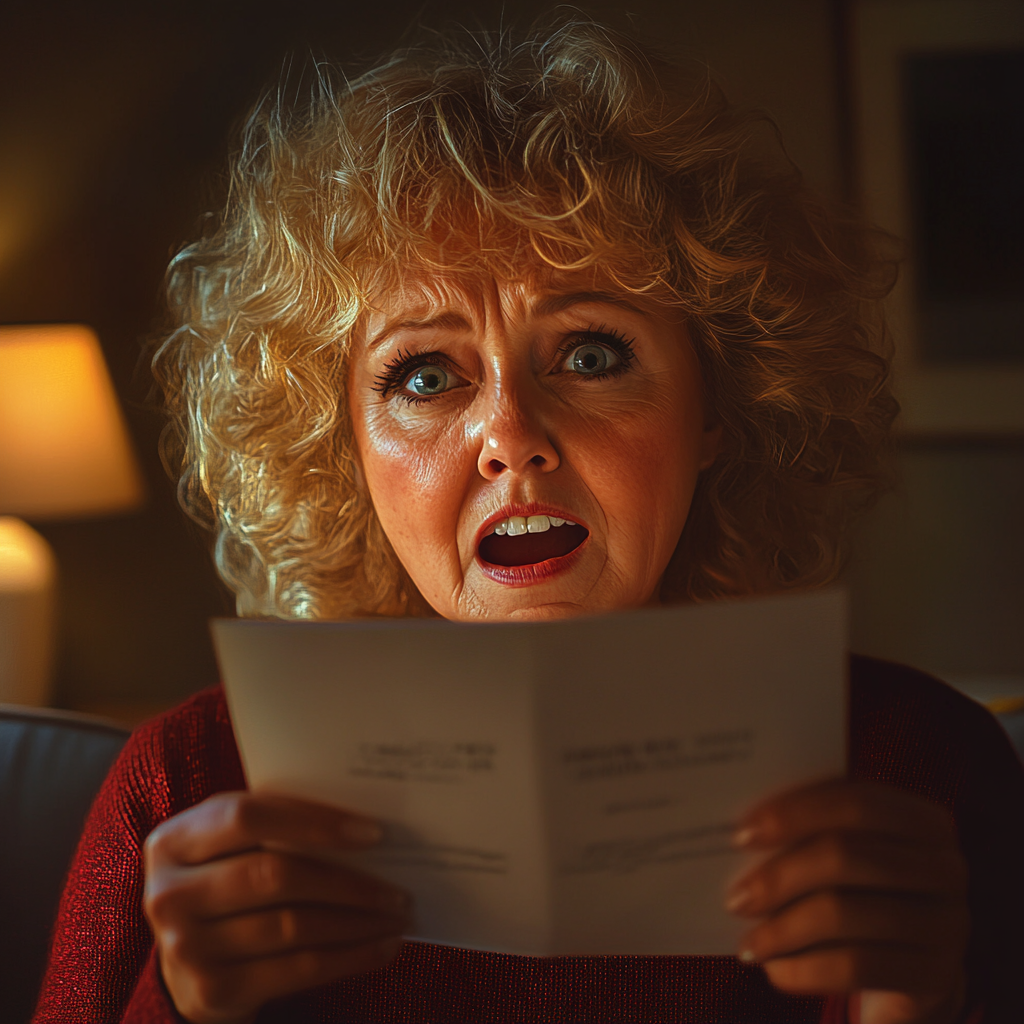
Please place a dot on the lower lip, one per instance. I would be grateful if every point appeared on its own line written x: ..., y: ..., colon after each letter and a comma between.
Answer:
x: 535, y: 572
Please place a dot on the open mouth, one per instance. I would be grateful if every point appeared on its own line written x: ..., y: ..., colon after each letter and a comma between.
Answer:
x: 521, y: 540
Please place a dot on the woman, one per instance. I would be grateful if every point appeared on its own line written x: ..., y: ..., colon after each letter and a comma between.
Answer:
x: 523, y: 333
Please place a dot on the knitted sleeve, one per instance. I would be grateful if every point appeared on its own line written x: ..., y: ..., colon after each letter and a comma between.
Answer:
x: 100, y: 969
x: 913, y: 732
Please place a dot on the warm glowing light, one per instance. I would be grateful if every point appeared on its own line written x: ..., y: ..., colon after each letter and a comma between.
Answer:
x: 64, y: 450
x: 27, y: 573
x: 26, y: 561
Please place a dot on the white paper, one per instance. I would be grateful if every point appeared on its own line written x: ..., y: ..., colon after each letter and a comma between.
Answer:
x: 550, y: 788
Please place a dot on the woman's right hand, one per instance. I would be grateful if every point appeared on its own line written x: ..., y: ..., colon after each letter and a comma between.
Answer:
x: 241, y: 916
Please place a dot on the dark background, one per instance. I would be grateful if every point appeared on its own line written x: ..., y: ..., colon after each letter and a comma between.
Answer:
x: 967, y: 160
x: 114, y: 127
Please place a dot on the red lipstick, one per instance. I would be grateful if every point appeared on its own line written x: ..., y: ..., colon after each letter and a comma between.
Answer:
x: 524, y: 559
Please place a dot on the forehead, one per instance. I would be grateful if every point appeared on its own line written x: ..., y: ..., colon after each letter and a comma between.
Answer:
x: 461, y: 301
x: 428, y: 286
x: 463, y: 296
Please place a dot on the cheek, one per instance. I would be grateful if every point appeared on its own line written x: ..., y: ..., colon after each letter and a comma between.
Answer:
x: 642, y: 469
x: 414, y: 478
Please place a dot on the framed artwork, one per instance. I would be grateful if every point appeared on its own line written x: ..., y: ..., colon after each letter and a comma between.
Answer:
x: 939, y: 97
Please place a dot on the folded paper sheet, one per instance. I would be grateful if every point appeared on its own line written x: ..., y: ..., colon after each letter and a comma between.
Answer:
x: 547, y: 788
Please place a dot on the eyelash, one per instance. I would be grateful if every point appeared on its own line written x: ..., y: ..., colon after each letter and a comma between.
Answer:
x: 618, y: 343
x: 397, y: 370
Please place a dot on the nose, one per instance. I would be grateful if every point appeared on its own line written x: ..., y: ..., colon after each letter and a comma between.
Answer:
x: 515, y: 441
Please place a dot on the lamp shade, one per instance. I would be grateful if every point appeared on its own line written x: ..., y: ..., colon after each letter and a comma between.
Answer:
x: 64, y: 450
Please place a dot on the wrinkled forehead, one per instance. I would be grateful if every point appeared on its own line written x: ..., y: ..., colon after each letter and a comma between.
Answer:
x: 419, y: 288
x: 532, y: 289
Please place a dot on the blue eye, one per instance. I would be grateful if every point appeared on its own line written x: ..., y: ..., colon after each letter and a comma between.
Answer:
x: 592, y: 359
x: 428, y: 380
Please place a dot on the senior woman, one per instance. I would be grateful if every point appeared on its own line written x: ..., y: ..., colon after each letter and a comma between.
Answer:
x: 527, y: 332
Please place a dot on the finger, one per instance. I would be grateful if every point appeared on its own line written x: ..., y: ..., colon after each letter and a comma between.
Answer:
x: 854, y: 968
x: 878, y: 1005
x: 261, y: 879
x: 849, y: 860
x: 852, y: 919
x: 232, y: 822
x: 236, y: 990
x: 305, y: 969
x: 860, y: 806
x: 283, y: 929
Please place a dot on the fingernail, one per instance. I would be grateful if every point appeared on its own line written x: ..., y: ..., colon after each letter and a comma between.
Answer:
x: 747, y: 956
x: 744, y: 836
x: 737, y: 900
x: 361, y: 831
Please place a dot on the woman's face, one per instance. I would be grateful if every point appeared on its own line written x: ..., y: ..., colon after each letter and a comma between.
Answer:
x: 531, y: 447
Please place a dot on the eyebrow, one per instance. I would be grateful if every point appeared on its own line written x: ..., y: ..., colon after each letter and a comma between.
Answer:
x: 442, y: 321
x: 557, y: 303
x: 451, y: 321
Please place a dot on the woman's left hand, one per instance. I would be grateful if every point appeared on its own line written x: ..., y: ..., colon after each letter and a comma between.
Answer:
x: 862, y: 890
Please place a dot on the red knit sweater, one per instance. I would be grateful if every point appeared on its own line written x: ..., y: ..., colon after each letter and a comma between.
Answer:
x: 906, y: 730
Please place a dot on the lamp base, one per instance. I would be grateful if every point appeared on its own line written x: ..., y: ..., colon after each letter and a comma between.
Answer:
x: 27, y: 577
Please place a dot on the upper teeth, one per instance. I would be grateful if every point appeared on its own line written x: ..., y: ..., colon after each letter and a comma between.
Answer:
x: 516, y: 526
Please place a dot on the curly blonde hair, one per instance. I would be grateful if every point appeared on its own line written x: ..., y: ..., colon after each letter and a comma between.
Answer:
x: 574, y: 149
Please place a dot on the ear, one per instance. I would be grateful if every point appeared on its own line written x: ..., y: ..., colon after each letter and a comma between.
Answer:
x: 710, y: 444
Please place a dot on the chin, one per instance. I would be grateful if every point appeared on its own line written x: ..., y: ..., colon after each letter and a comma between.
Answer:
x: 531, y: 605
x: 543, y: 612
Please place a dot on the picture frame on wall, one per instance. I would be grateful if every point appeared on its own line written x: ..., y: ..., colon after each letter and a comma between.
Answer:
x: 938, y: 90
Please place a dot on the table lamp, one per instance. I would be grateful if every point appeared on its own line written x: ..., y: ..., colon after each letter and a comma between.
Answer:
x: 64, y: 453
